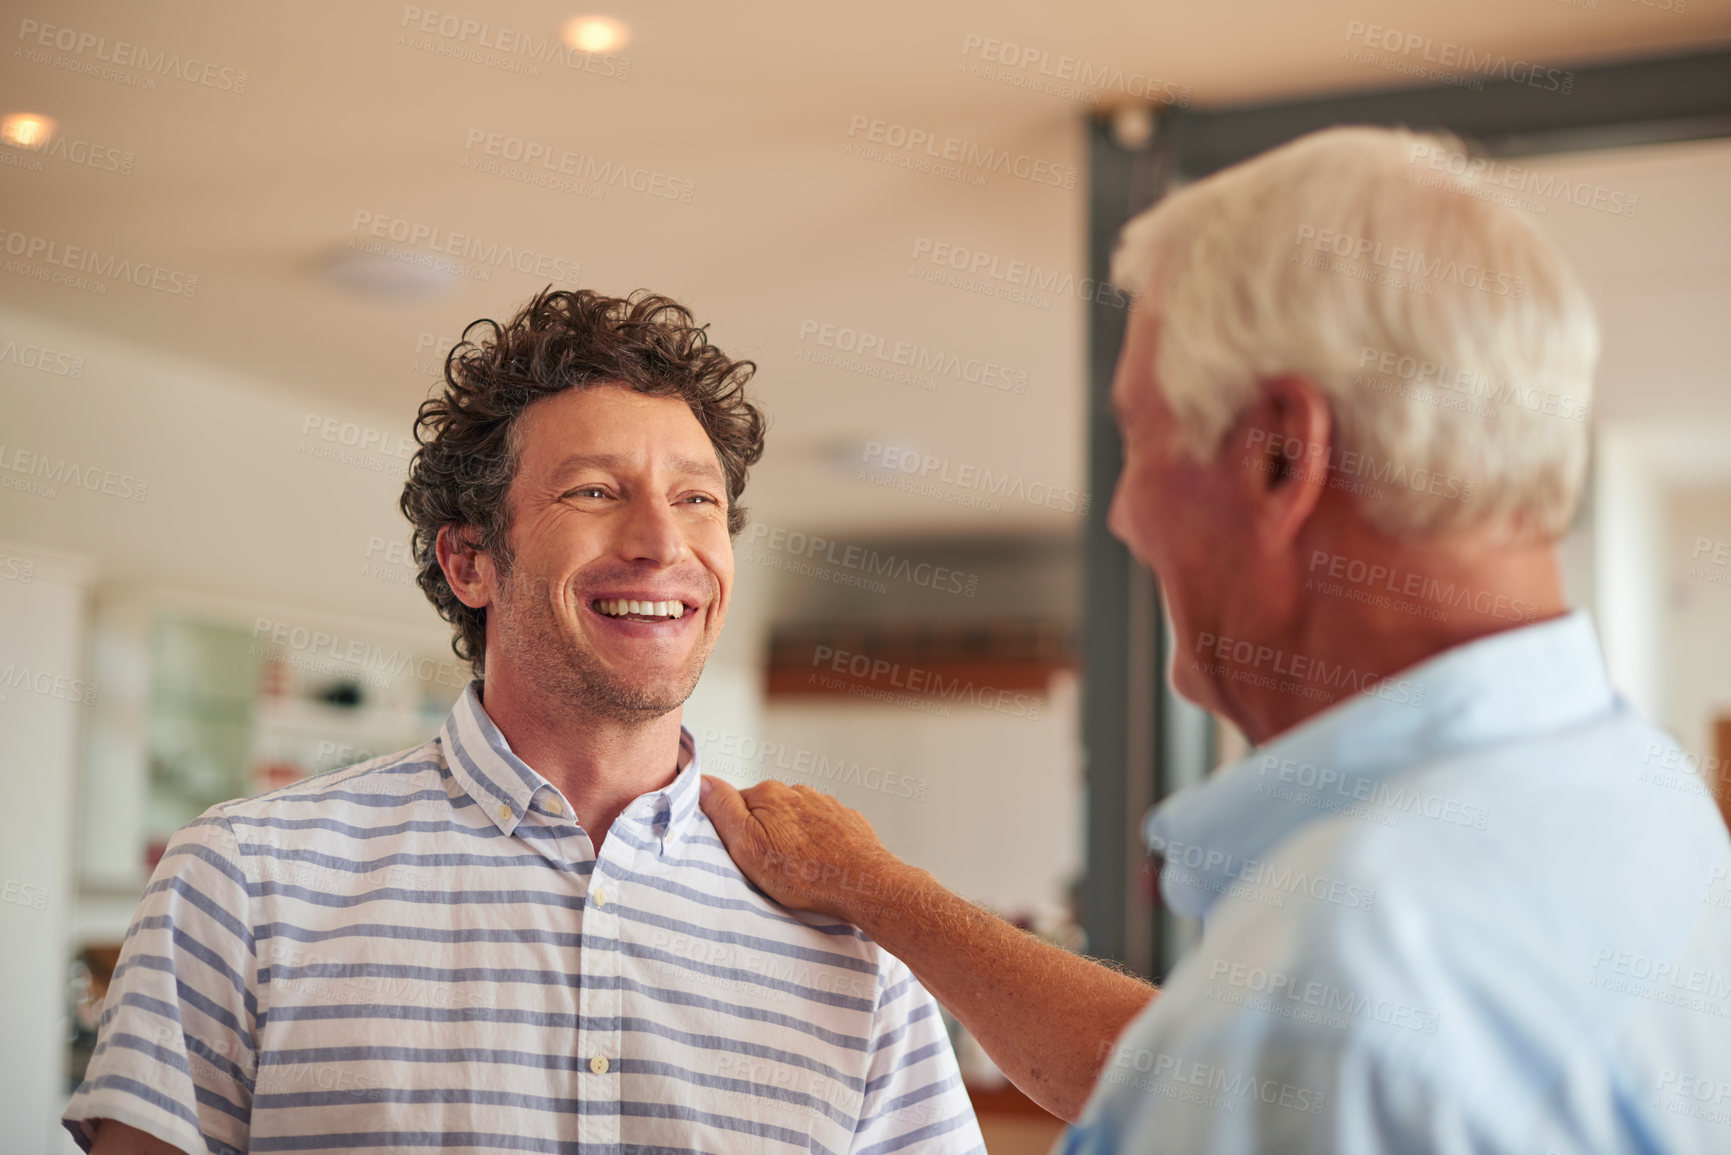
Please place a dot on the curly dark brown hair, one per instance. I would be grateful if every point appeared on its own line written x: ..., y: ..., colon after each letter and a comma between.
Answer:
x: 558, y: 341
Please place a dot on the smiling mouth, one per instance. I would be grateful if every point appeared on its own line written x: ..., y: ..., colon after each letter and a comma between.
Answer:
x: 632, y: 610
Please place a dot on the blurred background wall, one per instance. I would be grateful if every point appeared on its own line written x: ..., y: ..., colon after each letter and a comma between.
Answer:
x: 237, y: 243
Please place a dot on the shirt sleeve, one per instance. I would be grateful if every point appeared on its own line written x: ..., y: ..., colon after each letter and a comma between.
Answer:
x: 914, y: 1097
x: 175, y: 1051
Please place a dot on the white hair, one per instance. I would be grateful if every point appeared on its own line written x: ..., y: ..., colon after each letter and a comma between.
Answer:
x: 1452, y: 340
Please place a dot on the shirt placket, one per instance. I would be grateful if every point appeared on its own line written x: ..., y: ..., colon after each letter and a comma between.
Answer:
x: 599, y: 1009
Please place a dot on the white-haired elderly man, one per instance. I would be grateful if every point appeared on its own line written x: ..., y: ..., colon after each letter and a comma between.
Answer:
x: 1445, y: 905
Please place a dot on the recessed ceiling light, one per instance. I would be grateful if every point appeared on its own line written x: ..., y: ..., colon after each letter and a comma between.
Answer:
x: 848, y: 454
x: 598, y: 34
x: 386, y: 272
x: 27, y: 130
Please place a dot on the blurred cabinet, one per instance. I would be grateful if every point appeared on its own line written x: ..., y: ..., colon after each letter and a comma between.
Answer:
x: 202, y: 703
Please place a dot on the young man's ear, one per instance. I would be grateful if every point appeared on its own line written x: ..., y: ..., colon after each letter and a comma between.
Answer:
x: 1288, y: 439
x: 468, y: 569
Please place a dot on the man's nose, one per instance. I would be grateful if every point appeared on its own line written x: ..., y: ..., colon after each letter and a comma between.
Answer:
x: 651, y: 532
x: 1116, y: 514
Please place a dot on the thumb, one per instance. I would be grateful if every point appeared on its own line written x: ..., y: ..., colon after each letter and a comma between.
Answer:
x: 726, y: 809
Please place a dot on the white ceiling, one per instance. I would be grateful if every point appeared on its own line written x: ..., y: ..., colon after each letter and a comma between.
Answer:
x: 751, y: 105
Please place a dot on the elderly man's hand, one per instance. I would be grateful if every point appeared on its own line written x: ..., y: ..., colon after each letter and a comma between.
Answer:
x: 806, y: 850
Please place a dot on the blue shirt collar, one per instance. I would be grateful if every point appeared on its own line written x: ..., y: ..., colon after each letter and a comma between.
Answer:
x: 504, y: 786
x: 1509, y: 685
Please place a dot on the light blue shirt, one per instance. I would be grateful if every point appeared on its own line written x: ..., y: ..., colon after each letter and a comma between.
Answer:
x: 1490, y: 912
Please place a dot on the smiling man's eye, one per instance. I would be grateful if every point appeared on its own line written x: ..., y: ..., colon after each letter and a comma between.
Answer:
x: 582, y: 490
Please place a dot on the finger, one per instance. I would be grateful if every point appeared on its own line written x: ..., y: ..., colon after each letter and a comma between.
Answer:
x: 726, y: 810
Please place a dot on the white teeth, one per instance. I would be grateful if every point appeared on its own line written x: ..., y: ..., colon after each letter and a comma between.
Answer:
x: 618, y: 607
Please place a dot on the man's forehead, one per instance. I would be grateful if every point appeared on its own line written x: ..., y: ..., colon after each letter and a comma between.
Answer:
x: 559, y: 438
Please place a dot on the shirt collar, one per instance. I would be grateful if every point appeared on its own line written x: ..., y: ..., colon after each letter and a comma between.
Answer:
x: 504, y: 785
x: 1517, y: 683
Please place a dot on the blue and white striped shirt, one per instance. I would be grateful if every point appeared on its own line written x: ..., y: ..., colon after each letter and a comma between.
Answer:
x: 423, y: 951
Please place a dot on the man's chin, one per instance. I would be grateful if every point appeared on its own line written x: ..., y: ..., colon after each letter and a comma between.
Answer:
x: 646, y: 698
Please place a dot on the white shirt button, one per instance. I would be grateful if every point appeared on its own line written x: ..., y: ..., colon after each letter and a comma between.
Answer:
x: 598, y: 897
x: 504, y: 814
x: 554, y: 805
x: 598, y: 1064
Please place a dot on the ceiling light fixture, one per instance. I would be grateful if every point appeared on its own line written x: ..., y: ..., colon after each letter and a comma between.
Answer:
x: 27, y: 130
x: 596, y: 34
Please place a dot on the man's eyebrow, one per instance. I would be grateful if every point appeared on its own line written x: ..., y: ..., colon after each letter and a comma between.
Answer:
x: 700, y: 467
x: 617, y: 463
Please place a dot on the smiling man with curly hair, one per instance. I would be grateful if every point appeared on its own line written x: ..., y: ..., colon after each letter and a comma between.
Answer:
x: 524, y: 934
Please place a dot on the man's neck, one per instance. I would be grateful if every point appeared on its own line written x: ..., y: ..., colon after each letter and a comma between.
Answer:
x: 599, y: 764
x: 1367, y: 623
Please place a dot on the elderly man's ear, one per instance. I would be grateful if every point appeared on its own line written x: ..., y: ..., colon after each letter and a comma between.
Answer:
x: 1283, y: 450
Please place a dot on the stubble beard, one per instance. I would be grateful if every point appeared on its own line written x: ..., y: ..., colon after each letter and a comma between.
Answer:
x: 560, y: 665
